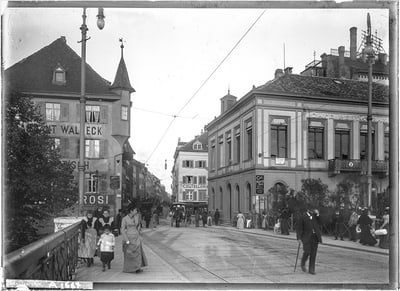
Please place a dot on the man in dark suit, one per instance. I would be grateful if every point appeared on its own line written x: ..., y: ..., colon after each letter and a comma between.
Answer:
x: 309, y: 234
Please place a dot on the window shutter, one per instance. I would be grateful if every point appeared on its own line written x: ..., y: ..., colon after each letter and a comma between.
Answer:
x: 197, y: 164
x: 78, y: 112
x: 64, y: 112
x: 195, y: 195
x: 191, y: 164
x: 194, y: 179
x: 102, y: 183
x: 184, y: 179
x: 103, y: 148
x: 104, y: 114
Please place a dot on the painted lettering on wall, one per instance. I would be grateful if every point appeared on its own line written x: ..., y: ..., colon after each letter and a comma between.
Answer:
x: 74, y: 164
x: 71, y: 129
x: 96, y: 199
x: 194, y: 186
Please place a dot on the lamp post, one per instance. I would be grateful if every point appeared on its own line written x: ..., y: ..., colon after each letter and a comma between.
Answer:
x: 369, y: 51
x: 82, y: 100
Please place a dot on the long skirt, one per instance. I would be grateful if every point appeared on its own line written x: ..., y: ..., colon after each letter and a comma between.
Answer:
x: 87, y: 249
x: 134, y: 257
x: 384, y: 239
x: 240, y: 223
x: 365, y: 236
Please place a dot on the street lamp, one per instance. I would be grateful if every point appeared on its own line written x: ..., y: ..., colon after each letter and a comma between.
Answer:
x: 369, y: 51
x: 81, y: 164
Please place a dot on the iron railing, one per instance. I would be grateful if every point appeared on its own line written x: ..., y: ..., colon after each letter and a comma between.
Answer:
x: 53, y: 257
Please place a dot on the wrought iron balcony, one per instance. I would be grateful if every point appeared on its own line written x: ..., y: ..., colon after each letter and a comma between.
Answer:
x: 337, y: 166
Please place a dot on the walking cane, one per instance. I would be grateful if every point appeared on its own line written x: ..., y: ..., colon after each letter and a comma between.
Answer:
x: 297, y: 257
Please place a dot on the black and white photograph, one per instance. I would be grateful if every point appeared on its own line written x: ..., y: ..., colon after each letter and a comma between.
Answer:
x: 165, y: 145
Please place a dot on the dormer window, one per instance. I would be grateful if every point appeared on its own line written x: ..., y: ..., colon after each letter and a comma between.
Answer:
x: 59, y: 75
x: 197, y: 146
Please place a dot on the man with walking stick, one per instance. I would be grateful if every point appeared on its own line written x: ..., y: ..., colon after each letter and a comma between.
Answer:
x: 309, y: 234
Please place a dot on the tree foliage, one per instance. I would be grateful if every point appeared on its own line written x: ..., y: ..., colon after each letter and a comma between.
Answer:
x: 314, y: 192
x: 37, y: 182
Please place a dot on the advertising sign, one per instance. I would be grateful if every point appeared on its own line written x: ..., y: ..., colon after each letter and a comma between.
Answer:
x: 259, y: 184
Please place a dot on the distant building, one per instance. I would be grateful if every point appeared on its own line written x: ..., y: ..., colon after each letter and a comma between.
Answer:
x: 189, y: 173
x: 52, y: 78
x: 350, y: 64
x: 292, y: 128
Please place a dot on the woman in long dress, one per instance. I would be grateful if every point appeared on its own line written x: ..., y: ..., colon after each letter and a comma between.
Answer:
x: 134, y: 257
x: 88, y: 239
x: 365, y: 223
x: 264, y: 221
x: 240, y: 220
x: 384, y: 239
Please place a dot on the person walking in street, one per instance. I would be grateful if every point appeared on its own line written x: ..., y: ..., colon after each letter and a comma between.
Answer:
x: 105, y: 220
x: 365, y: 223
x: 240, y: 220
x: 384, y: 239
x: 197, y: 217
x: 106, y: 244
x: 88, y: 238
x: 216, y: 217
x: 204, y: 218
x: 338, y: 221
x: 285, y: 215
x: 264, y: 220
x: 134, y: 257
x: 352, y: 225
x: 209, y: 219
x: 309, y: 234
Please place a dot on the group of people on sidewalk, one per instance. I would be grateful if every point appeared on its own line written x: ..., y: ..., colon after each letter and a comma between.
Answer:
x: 98, y: 239
x: 184, y: 217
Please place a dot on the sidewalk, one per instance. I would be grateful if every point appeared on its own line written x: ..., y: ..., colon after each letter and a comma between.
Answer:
x: 326, y: 240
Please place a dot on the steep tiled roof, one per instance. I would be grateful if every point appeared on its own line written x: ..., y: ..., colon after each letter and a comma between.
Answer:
x: 121, y: 80
x: 203, y: 139
x: 322, y: 87
x: 35, y: 73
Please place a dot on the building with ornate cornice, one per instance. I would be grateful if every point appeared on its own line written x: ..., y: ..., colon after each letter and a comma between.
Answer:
x: 292, y: 128
x: 52, y: 78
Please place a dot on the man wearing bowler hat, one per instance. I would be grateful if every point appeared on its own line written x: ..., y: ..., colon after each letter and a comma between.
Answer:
x: 309, y: 234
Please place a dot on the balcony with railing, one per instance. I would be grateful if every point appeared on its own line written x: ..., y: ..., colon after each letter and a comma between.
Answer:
x: 337, y: 166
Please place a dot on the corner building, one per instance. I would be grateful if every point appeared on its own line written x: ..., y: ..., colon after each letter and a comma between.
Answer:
x: 292, y: 128
x: 52, y: 78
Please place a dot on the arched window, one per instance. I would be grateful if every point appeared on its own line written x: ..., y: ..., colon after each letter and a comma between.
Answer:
x: 248, y: 195
x: 213, y: 198
x: 238, y: 197
x: 221, y: 197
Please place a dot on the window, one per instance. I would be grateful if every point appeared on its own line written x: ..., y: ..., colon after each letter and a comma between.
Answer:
x: 189, y: 179
x: 202, y: 180
x: 386, y: 143
x: 59, y: 75
x: 237, y: 145
x: 316, y: 143
x: 228, y: 145
x: 188, y: 195
x: 249, y: 141
x: 92, y: 114
x: 201, y: 164
x: 53, y: 111
x: 279, y: 138
x: 213, y: 155
x: 364, y: 143
x: 92, y: 183
x: 57, y: 143
x: 342, y: 143
x: 187, y: 164
x: 197, y: 146
x: 221, y: 151
x: 124, y: 112
x: 92, y: 148
x: 203, y: 195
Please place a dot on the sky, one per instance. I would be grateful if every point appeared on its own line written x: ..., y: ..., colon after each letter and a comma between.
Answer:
x: 182, y: 61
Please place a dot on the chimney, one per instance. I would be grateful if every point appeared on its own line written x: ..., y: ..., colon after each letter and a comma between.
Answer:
x: 353, y: 43
x: 382, y: 58
x: 227, y: 102
x: 341, y: 62
x: 288, y: 70
x: 278, y: 73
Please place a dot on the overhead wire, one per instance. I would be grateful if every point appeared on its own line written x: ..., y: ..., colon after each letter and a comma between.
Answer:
x: 206, y: 80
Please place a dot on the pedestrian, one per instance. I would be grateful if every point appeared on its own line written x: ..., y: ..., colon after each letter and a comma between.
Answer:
x: 204, y: 218
x: 284, y: 216
x: 384, y: 239
x: 118, y: 221
x: 240, y: 220
x: 88, y: 238
x: 352, y: 225
x: 154, y: 219
x: 264, y: 220
x: 134, y: 257
x: 216, y: 217
x: 188, y: 217
x: 147, y: 217
x: 309, y: 234
x: 105, y: 220
x: 338, y: 221
x: 365, y: 223
x: 197, y: 217
x: 106, y: 244
x: 209, y: 219
x: 171, y: 216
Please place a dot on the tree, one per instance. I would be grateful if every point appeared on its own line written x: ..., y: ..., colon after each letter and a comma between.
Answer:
x: 37, y: 182
x: 314, y: 192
